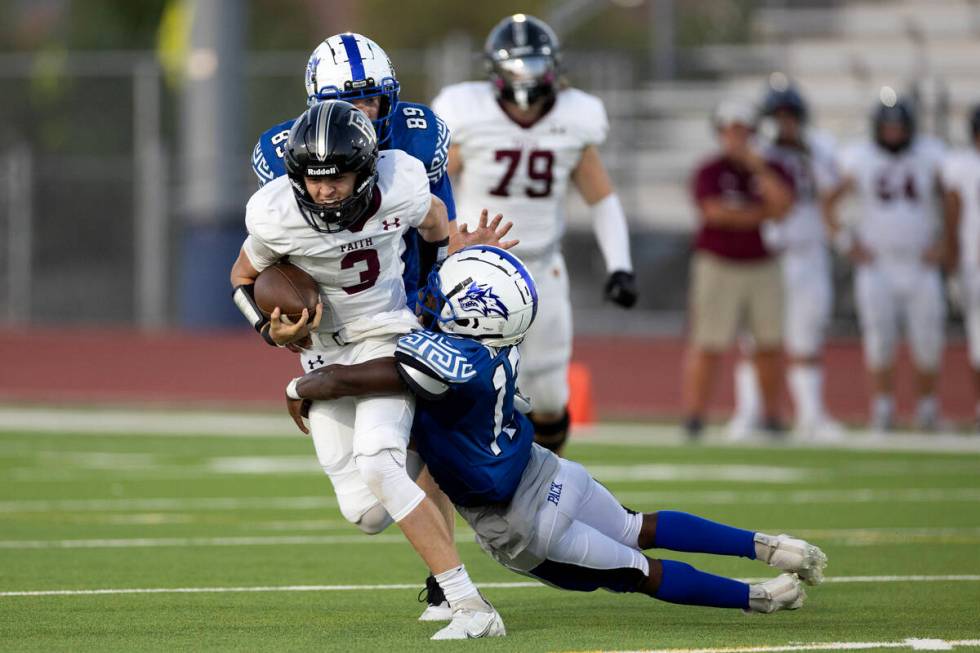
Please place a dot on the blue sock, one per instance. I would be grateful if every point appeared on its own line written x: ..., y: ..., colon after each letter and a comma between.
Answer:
x: 682, y: 583
x: 681, y: 531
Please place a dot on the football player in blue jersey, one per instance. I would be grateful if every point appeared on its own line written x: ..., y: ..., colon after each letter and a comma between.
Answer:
x: 532, y: 511
x: 354, y: 68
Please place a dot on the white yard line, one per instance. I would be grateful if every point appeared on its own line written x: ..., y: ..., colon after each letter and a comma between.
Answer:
x: 914, y: 643
x: 652, y: 498
x: 840, y: 536
x: 412, y: 586
x: 130, y: 422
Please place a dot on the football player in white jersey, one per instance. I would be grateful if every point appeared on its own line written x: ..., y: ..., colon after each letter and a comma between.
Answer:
x: 809, y: 157
x: 896, y: 252
x: 340, y: 213
x: 961, y: 179
x: 518, y: 140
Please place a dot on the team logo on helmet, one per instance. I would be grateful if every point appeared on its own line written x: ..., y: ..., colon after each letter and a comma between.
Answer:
x: 481, y: 297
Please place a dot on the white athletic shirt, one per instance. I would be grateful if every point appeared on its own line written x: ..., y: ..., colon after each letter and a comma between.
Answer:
x: 961, y: 173
x: 898, y: 195
x: 520, y: 172
x: 814, y: 171
x: 359, y: 269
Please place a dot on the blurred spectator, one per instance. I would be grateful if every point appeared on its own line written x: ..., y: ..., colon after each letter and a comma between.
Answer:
x: 733, y: 276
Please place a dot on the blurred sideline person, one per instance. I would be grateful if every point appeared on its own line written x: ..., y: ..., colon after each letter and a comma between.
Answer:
x: 733, y: 274
x: 340, y: 214
x: 535, y: 513
x: 518, y: 140
x: 896, y: 253
x: 354, y: 68
x: 801, y: 239
x: 961, y: 179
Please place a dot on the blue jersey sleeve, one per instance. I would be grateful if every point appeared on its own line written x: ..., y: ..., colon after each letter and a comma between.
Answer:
x: 435, y: 355
x: 418, y: 131
x: 267, y: 162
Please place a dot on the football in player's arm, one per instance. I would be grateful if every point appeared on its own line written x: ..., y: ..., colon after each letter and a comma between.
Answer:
x: 896, y: 252
x: 519, y: 139
x: 533, y: 512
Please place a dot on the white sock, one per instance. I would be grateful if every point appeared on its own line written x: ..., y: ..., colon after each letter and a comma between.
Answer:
x: 882, y: 409
x: 806, y: 387
x: 458, y: 587
x: 748, y: 400
x: 927, y: 410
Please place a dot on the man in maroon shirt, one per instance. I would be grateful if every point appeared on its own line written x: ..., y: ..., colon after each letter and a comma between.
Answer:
x: 735, y: 281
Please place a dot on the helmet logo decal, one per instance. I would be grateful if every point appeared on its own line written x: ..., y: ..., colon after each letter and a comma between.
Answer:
x: 481, y: 297
x: 360, y: 121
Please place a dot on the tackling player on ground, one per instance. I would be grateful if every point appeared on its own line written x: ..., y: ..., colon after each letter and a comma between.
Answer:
x: 896, y: 253
x: 533, y: 512
x: 518, y: 140
x: 354, y: 68
x: 961, y: 179
x: 340, y: 214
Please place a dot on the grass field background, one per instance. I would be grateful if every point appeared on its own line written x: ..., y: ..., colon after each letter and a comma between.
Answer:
x: 138, y: 508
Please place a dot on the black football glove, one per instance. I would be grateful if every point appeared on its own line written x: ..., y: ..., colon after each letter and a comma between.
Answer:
x: 621, y: 288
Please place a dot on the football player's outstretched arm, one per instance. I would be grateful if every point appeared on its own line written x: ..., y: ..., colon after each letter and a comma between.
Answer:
x: 609, y: 225
x: 454, y: 164
x: 376, y: 377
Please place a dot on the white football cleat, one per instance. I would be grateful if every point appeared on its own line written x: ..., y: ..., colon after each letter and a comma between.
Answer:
x: 784, y: 592
x: 437, y: 612
x: 791, y: 555
x: 472, y: 624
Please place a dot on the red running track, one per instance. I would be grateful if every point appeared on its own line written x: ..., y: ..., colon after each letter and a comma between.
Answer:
x: 631, y: 377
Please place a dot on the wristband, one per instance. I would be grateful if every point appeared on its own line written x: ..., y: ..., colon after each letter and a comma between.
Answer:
x: 244, y: 298
x: 291, y: 388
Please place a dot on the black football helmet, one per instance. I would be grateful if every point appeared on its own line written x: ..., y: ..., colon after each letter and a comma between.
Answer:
x: 893, y: 109
x: 331, y: 138
x: 523, y: 60
x: 782, y: 95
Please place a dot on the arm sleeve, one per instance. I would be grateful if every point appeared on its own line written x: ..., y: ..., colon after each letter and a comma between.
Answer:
x: 260, y: 166
x: 594, y: 122
x: 430, y: 364
x: 418, y: 193
x: 420, y: 379
x: 259, y: 253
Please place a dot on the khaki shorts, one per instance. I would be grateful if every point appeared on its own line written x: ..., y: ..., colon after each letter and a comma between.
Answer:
x: 726, y: 294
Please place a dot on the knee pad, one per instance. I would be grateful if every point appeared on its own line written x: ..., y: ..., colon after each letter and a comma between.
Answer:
x: 375, y: 520
x: 551, y: 435
x: 385, y: 474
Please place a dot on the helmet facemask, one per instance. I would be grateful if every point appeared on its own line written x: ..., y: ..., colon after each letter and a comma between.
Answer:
x: 337, y: 216
x: 524, y: 80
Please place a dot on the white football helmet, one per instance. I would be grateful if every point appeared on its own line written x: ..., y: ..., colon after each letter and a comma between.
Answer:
x: 348, y: 67
x: 482, y: 292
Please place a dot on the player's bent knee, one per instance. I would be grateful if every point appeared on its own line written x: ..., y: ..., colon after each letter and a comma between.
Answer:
x: 386, y: 476
x: 375, y: 520
x: 551, y: 434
